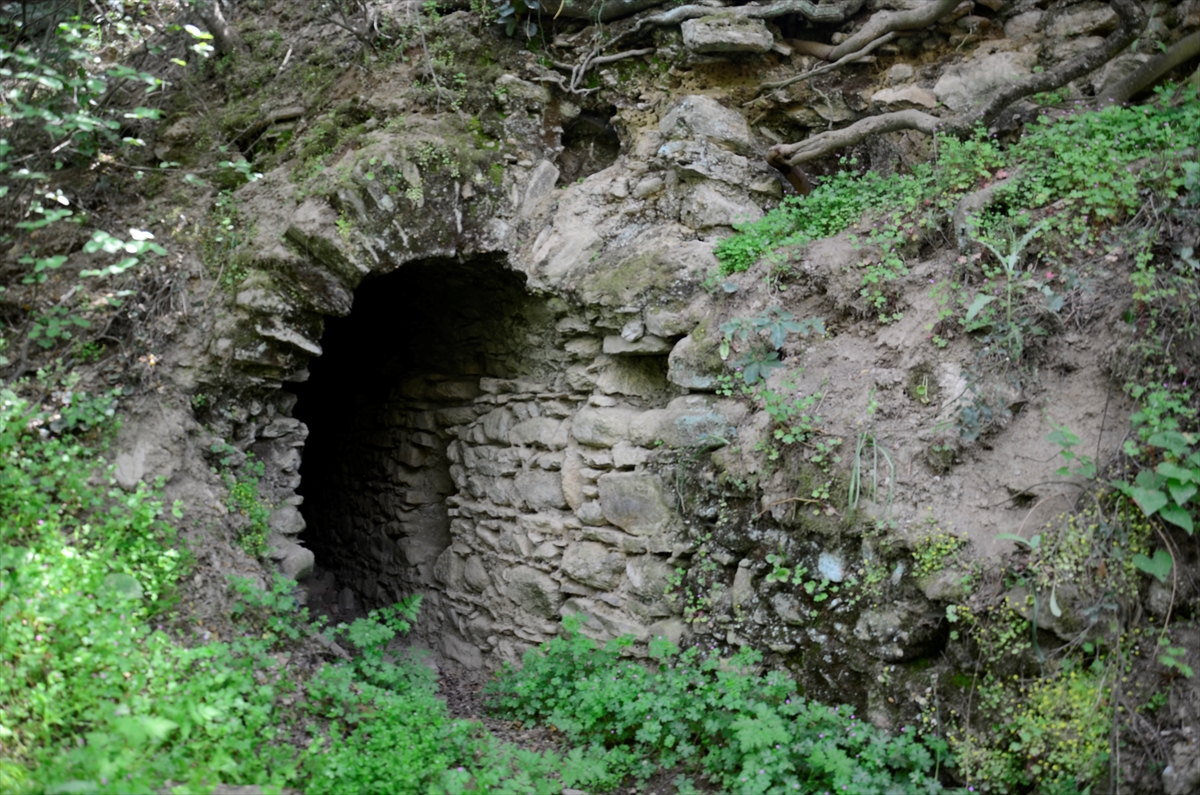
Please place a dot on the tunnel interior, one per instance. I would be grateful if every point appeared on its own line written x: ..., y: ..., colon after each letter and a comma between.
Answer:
x: 398, y: 381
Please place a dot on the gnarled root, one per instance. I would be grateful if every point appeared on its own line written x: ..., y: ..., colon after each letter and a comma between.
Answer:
x: 826, y: 142
x: 1131, y: 21
x: 1151, y: 71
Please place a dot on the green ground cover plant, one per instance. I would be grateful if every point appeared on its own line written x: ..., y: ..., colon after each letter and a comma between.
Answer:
x: 744, y: 731
x: 103, y: 689
x: 1078, y: 172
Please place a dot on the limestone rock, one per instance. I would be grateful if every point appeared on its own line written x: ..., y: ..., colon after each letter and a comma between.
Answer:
x: 286, y: 521
x: 590, y: 514
x: 597, y: 427
x: 496, y: 425
x: 540, y: 489
x: 726, y: 33
x: 663, y: 322
x: 672, y: 629
x: 787, y: 608
x: 461, y: 652
x: 475, y: 574
x: 904, y: 98
x: 536, y: 431
x: 831, y: 566
x: 742, y: 591
x: 603, y: 622
x: 1064, y: 49
x: 626, y: 455
x: 695, y: 364
x: 449, y: 568
x: 883, y: 633
x: 292, y: 559
x: 635, y: 502
x: 559, y: 251
x: 541, y: 184
x: 647, y: 186
x: 1116, y: 70
x: 1022, y: 26
x: 634, y: 374
x: 707, y: 207
x: 518, y: 93
x: 948, y: 585
x: 593, y: 564
x: 533, y: 591
x: 688, y: 421
x: 976, y: 81
x: 646, y: 345
x: 700, y: 117
x: 649, y: 577
x: 1084, y: 19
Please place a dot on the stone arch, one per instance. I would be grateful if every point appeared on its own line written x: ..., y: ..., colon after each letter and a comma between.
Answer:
x: 445, y: 386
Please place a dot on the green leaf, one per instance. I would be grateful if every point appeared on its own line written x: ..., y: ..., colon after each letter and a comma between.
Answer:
x: 1150, y: 501
x: 977, y: 306
x: 1178, y: 516
x: 1182, y: 474
x: 1063, y: 437
x: 1174, y: 441
x: 1055, y: 610
x: 1159, y: 566
x: 1181, y: 492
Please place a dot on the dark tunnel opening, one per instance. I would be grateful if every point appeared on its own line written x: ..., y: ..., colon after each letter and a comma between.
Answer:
x: 397, y: 379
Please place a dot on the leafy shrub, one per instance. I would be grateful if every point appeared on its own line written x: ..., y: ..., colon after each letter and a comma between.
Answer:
x: 746, y: 732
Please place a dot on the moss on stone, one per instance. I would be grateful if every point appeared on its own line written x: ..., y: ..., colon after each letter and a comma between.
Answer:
x: 644, y: 276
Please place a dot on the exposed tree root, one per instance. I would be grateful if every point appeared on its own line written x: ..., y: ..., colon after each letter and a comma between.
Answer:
x: 1150, y: 72
x: 814, y: 48
x: 1131, y: 21
x: 593, y: 59
x: 820, y: 70
x: 823, y: 13
x: 890, y: 21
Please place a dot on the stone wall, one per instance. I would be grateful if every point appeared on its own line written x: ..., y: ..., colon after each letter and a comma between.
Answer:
x: 499, y: 453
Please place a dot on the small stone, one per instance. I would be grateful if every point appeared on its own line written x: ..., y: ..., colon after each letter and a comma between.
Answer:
x: 647, y: 187
x: 642, y: 345
x: 831, y: 566
x: 590, y: 514
x: 633, y: 330
x: 901, y: 73
x: 742, y: 590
